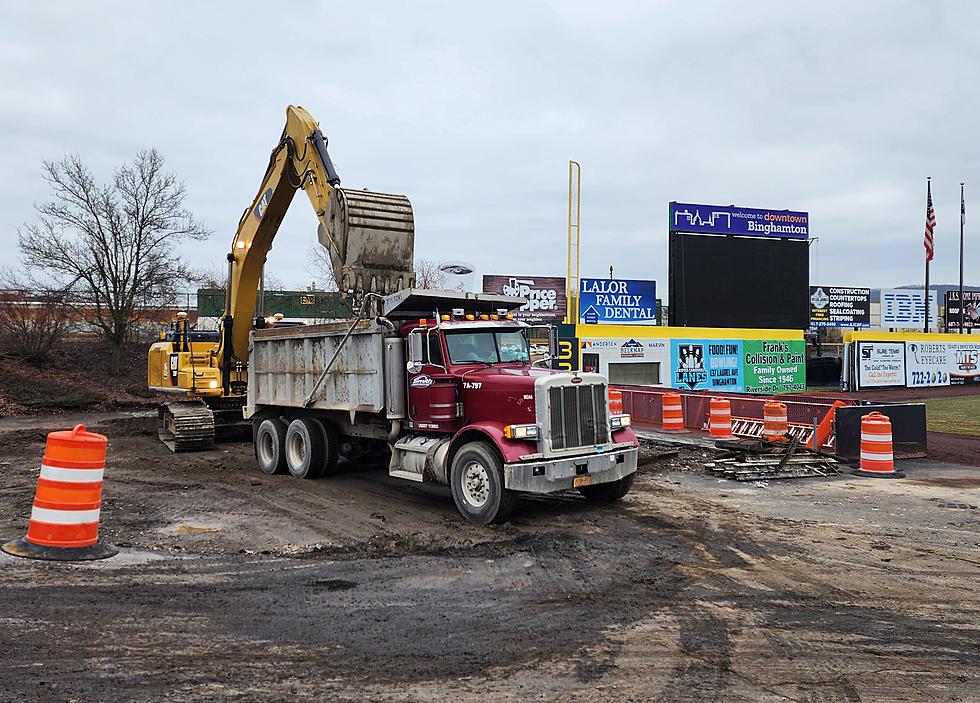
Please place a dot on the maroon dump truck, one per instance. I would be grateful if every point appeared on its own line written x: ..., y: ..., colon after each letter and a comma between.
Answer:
x: 445, y: 381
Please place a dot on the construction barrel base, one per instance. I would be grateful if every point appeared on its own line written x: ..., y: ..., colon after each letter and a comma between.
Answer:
x: 878, y: 474
x: 20, y: 547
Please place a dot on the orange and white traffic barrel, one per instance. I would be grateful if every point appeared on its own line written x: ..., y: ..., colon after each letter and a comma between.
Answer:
x: 775, y: 422
x: 720, y: 418
x: 615, y: 402
x: 672, y: 413
x: 64, y: 523
x: 877, y: 455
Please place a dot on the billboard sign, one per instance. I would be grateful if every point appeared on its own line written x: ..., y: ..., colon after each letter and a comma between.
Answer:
x: 743, y: 221
x: 606, y: 301
x: 880, y: 364
x: 926, y: 364
x: 774, y: 366
x: 903, y: 308
x: 706, y: 364
x: 546, y: 299
x: 831, y: 306
x: 971, y: 299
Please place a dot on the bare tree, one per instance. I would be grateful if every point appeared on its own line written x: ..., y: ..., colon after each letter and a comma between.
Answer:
x: 115, y: 245
x: 428, y: 275
x: 319, y: 267
x: 32, y: 322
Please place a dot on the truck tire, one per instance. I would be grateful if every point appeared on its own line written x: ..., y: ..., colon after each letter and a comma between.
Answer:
x: 331, y: 447
x: 270, y: 446
x: 608, y: 492
x: 477, y: 482
x: 306, y: 450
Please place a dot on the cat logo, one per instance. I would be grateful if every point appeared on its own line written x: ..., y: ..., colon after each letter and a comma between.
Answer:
x: 263, y: 204
x: 174, y: 359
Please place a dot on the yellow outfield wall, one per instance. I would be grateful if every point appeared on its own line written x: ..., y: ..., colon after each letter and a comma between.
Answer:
x: 869, y: 336
x: 664, y: 332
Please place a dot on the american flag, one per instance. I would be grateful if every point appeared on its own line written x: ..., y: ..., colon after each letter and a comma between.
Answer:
x: 930, y: 224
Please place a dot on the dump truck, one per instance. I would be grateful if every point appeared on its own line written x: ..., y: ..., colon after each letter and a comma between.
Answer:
x: 444, y: 381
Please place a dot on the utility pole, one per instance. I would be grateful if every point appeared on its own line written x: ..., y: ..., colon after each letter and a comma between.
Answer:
x: 962, y: 225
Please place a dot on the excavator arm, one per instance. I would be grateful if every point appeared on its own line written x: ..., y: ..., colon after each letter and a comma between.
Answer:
x: 370, y: 236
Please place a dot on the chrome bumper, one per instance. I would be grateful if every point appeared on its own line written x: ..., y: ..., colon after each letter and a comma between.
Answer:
x: 550, y: 475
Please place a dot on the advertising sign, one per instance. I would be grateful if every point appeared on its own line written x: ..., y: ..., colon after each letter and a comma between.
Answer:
x: 905, y: 308
x: 926, y: 364
x: 545, y: 294
x: 774, y: 366
x: 712, y: 364
x: 880, y: 364
x: 840, y: 307
x: 971, y: 298
x: 745, y: 221
x: 605, y: 301
x: 963, y: 359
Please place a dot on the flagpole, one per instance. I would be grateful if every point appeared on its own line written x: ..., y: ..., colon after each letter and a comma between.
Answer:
x: 962, y: 223
x: 925, y: 296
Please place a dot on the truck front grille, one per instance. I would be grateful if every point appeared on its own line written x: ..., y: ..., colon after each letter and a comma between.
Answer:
x: 578, y: 415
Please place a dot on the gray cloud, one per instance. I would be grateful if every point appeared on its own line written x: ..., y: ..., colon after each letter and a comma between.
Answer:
x: 473, y: 110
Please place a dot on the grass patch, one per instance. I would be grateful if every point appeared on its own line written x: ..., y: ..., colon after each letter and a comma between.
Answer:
x: 957, y: 414
x: 37, y: 394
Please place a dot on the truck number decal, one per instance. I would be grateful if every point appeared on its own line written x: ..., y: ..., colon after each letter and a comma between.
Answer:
x: 472, y: 385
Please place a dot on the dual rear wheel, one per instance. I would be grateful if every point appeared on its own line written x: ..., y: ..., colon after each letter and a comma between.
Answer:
x: 304, y: 447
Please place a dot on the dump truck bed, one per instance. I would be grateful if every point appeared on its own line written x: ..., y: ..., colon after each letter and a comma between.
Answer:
x: 286, y: 363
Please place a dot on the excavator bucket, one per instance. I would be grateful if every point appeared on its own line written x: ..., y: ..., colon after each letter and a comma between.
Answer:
x: 371, y: 240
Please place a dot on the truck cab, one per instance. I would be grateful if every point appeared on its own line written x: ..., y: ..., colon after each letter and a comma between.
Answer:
x: 473, y: 389
x: 447, y: 380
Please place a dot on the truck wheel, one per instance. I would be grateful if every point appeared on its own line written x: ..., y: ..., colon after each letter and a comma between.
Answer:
x: 270, y: 446
x: 608, y: 492
x: 306, y: 453
x: 477, y: 481
x: 331, y: 446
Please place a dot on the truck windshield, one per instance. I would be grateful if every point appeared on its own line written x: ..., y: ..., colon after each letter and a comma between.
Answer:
x: 487, y: 347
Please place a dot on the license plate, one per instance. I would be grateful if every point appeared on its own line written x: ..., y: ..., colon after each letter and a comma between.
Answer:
x: 579, y: 481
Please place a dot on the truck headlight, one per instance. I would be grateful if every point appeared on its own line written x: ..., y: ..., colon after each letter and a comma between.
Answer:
x: 213, y: 384
x: 521, y: 431
x: 618, y: 422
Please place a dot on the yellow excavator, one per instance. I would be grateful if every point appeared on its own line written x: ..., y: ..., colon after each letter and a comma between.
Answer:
x: 370, y: 238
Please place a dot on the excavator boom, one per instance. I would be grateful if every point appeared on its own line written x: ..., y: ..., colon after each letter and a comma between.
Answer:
x: 370, y: 236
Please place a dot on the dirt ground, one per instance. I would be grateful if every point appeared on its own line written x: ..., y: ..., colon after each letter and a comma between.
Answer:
x: 236, y: 586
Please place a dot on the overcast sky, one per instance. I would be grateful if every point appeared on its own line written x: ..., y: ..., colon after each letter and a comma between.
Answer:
x: 474, y: 109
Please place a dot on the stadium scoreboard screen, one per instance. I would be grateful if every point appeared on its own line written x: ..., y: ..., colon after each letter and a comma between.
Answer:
x: 739, y: 281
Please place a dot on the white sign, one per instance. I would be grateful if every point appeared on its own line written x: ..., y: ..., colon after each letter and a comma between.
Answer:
x: 926, y: 364
x: 905, y: 308
x: 942, y: 363
x: 880, y: 364
x: 459, y: 276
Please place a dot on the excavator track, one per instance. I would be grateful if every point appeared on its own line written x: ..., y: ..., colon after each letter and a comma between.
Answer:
x: 186, y: 426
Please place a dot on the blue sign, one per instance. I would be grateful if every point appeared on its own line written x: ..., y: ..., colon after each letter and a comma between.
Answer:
x: 744, y: 221
x: 608, y: 301
x: 707, y: 364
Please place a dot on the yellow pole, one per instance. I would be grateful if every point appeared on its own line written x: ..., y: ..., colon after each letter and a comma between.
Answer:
x: 574, y: 240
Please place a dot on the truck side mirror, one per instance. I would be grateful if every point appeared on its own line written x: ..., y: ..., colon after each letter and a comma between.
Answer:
x: 415, y: 348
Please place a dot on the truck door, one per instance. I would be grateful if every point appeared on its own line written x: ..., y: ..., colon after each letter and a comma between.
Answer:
x: 433, y: 398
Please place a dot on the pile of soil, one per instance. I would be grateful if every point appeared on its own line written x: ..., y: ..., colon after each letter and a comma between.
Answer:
x: 75, y: 378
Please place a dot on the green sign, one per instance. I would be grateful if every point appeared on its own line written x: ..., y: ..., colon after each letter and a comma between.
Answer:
x: 771, y: 367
